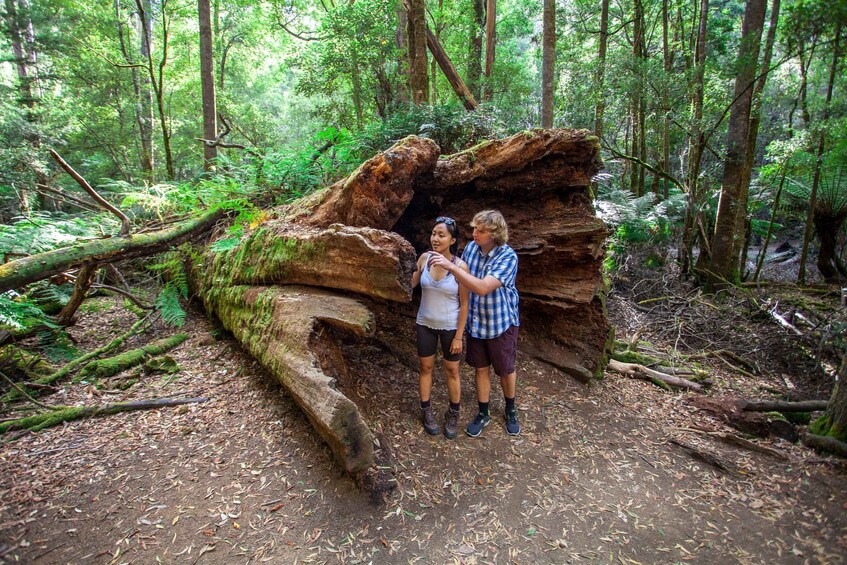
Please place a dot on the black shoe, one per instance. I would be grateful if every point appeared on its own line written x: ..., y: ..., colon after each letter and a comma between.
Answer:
x: 451, y: 423
x: 428, y: 420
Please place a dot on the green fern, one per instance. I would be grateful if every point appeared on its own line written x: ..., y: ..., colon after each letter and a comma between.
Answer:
x: 225, y: 244
x: 56, y: 345
x: 168, y: 304
x: 19, y: 314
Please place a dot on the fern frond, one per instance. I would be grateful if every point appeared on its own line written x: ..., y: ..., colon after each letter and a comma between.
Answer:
x: 168, y: 304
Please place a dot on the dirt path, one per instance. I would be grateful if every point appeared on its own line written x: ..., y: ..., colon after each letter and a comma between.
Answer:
x: 243, y: 478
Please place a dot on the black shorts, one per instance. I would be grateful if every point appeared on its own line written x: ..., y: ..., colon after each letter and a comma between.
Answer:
x: 428, y: 339
x: 499, y: 351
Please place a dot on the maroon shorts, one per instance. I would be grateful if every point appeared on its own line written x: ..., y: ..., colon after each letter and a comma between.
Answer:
x: 499, y: 351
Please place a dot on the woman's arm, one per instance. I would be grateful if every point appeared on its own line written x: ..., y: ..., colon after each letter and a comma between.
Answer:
x: 416, y: 276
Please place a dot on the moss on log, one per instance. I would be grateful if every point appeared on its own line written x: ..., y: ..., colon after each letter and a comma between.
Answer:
x: 103, y: 368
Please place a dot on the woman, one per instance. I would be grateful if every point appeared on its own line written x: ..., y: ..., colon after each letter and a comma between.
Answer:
x: 441, y: 320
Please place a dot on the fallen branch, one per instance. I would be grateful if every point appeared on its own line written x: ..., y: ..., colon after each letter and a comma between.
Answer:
x: 781, y: 406
x: 825, y: 443
x: 641, y: 372
x: 104, y: 368
x: 125, y: 225
x: 20, y: 272
x: 53, y: 377
x: 69, y: 413
x: 703, y: 456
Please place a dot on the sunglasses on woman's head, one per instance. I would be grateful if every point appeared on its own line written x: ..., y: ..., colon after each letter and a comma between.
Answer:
x: 445, y: 220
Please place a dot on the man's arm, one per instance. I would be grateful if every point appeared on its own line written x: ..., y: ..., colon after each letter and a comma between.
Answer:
x: 480, y: 287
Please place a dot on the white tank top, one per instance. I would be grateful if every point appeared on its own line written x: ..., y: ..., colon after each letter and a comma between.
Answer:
x: 439, y: 308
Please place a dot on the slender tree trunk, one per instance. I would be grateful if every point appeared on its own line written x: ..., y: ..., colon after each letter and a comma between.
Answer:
x: 723, y: 267
x: 146, y: 119
x: 403, y: 59
x: 753, y: 133
x: 810, y: 218
x: 696, y: 144
x: 474, y: 73
x: 450, y: 72
x: 764, y: 250
x: 356, y: 79
x: 490, y: 42
x: 207, y: 82
x: 548, y: 63
x: 600, y: 105
x: 416, y: 35
x: 638, y: 133
x: 666, y: 120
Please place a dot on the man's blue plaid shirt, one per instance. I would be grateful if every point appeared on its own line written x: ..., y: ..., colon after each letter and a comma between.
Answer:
x: 493, y: 314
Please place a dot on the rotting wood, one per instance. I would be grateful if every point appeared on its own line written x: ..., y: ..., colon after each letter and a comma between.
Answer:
x: 703, y: 456
x: 825, y: 443
x: 103, y: 368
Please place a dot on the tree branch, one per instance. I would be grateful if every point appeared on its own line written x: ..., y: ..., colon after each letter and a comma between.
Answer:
x: 93, y: 193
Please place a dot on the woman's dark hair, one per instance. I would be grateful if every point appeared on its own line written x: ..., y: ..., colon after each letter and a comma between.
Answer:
x: 452, y: 228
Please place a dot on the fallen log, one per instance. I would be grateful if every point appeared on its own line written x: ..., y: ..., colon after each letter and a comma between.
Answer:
x: 783, y: 406
x: 103, y: 368
x: 62, y: 414
x: 278, y: 325
x: 20, y: 272
x: 367, y: 261
x: 825, y: 443
x: 641, y: 372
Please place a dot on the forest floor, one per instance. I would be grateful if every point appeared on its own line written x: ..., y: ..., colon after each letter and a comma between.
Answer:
x: 595, y: 476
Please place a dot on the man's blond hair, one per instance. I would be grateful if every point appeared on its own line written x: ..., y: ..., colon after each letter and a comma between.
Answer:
x: 494, y: 223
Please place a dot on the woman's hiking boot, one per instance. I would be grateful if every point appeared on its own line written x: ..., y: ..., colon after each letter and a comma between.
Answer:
x: 451, y: 423
x: 428, y: 420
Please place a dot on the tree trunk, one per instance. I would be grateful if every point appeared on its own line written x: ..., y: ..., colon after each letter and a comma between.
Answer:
x: 834, y: 421
x: 666, y: 110
x: 157, y: 77
x: 14, y: 25
x: 81, y: 285
x: 475, y: 32
x: 416, y: 35
x: 723, y: 266
x: 401, y: 41
x: 449, y: 71
x: 696, y: 144
x: 207, y: 82
x: 548, y: 63
x: 146, y: 118
x: 16, y: 274
x: 490, y: 42
x: 600, y: 105
x: 810, y: 218
x: 755, y: 113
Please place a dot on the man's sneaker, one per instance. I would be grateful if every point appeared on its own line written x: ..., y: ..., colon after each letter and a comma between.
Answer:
x: 451, y: 423
x: 428, y: 420
x: 512, y: 426
x: 475, y: 427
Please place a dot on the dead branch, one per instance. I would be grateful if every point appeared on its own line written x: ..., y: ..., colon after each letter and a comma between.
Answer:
x: 702, y: 456
x: 779, y: 406
x: 93, y: 193
x: 825, y: 443
x: 69, y: 413
x: 636, y: 371
x: 131, y: 297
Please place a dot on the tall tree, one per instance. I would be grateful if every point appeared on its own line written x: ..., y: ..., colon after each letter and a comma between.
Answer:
x: 600, y: 105
x: 475, y: 28
x: 548, y: 61
x: 207, y: 84
x: 490, y: 42
x: 723, y: 266
x: 416, y: 37
x: 156, y: 74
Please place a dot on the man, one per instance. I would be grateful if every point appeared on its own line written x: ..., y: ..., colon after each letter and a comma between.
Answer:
x: 493, y: 321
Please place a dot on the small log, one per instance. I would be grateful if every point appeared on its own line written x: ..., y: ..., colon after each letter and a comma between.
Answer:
x: 104, y: 368
x: 782, y: 406
x: 641, y: 372
x: 69, y: 413
x: 20, y: 272
x: 703, y: 456
x: 825, y: 443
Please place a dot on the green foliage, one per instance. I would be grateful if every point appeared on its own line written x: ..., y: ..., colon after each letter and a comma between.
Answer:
x: 42, y: 231
x: 18, y: 314
x: 56, y: 345
x: 168, y: 304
